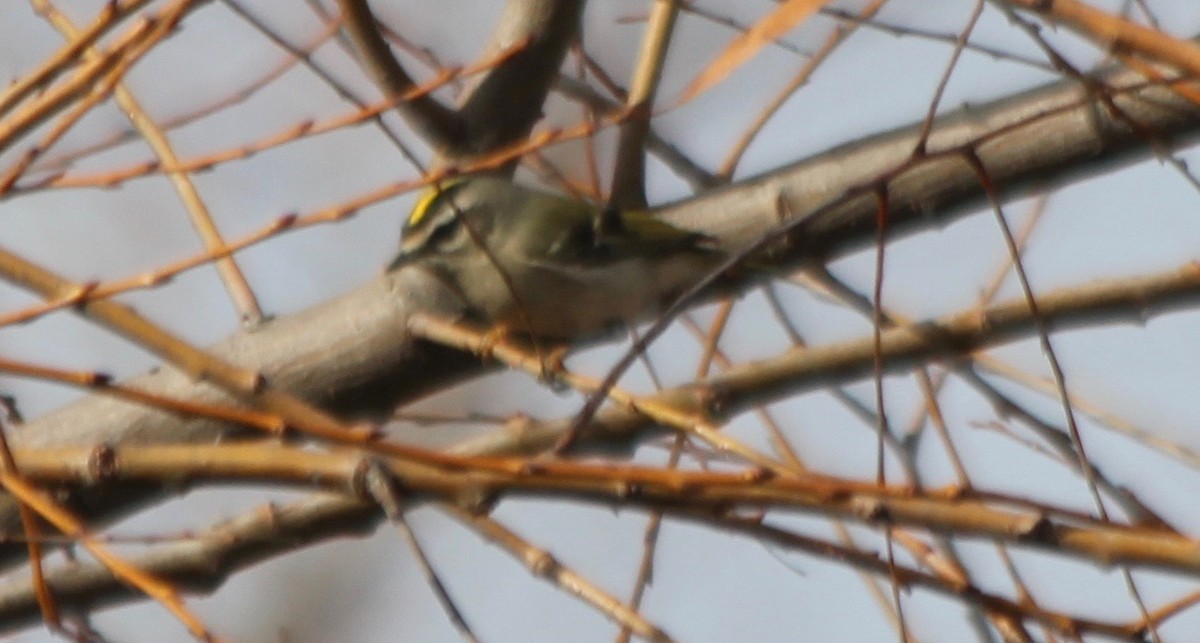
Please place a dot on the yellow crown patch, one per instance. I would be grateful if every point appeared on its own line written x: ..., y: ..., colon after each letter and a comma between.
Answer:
x: 428, y: 198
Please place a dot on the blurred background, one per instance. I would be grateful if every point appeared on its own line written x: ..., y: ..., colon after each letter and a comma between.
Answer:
x: 224, y: 81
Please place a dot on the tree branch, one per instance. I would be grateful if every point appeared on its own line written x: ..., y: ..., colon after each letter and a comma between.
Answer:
x: 1045, y: 137
x: 354, y: 355
x: 436, y: 123
x: 503, y: 104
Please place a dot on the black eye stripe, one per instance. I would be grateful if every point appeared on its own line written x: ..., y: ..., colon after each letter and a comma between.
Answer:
x: 443, y: 230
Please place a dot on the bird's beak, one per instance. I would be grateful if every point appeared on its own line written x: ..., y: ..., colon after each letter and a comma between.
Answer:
x: 399, y: 262
x: 409, y: 250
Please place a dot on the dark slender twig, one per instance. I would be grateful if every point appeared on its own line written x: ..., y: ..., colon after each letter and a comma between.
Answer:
x: 437, y: 123
x: 379, y: 485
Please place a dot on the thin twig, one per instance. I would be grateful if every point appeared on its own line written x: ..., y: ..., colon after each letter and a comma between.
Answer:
x: 629, y: 168
x: 244, y: 300
x: 379, y: 485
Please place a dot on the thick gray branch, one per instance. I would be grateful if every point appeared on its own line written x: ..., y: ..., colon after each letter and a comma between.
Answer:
x: 1044, y: 137
x: 503, y: 103
x: 502, y: 106
x: 355, y: 354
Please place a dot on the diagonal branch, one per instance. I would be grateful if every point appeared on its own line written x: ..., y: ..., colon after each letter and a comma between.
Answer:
x: 502, y: 105
x: 355, y: 353
x: 629, y: 170
x: 722, y: 396
x: 438, y: 124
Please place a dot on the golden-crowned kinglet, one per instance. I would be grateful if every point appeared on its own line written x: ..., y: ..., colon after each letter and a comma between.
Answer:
x: 545, y: 264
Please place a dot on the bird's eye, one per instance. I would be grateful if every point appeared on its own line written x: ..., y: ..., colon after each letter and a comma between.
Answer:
x: 584, y: 236
x: 442, y: 232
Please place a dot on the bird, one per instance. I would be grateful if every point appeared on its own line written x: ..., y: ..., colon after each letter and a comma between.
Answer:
x: 548, y: 265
